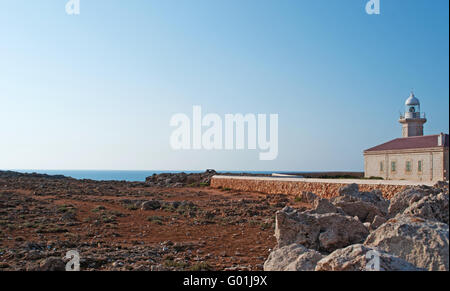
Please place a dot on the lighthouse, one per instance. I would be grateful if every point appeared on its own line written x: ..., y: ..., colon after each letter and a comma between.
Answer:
x: 412, y: 120
x: 414, y: 156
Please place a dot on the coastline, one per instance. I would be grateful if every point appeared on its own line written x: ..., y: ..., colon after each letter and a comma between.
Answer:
x: 141, y: 175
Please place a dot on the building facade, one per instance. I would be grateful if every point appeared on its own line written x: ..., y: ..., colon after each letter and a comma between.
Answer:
x: 413, y: 157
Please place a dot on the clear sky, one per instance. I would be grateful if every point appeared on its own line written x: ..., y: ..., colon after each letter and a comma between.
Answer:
x: 97, y: 90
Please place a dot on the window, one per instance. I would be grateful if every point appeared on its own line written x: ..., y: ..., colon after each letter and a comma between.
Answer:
x: 408, y: 166
x: 419, y: 166
x: 393, y: 166
x: 381, y: 167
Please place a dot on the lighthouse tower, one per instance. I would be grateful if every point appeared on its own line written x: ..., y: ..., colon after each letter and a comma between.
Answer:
x: 413, y: 120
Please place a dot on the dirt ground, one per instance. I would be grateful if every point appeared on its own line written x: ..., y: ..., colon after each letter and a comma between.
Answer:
x: 182, y: 229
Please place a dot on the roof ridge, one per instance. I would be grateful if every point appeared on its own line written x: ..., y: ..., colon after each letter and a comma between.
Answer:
x: 419, y: 136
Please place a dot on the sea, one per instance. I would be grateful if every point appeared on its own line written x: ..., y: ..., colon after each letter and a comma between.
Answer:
x: 117, y: 175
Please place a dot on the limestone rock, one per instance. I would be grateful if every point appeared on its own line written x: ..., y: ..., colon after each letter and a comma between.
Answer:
x: 361, y: 258
x: 432, y: 207
x: 294, y: 257
x: 442, y: 186
x: 293, y: 227
x: 322, y: 232
x: 377, y: 222
x: 404, y: 199
x: 338, y: 231
x: 365, y: 211
x: 350, y: 193
x: 322, y: 206
x: 349, y: 190
x: 424, y: 244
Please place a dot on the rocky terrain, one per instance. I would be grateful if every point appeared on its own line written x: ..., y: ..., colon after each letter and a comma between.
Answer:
x: 177, y: 180
x: 177, y: 222
x: 408, y: 233
x: 156, y: 225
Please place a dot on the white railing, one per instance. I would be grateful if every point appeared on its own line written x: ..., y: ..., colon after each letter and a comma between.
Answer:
x: 412, y: 115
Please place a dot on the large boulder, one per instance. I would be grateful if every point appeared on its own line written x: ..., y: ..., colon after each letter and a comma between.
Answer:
x: 294, y: 227
x: 424, y: 244
x: 322, y: 232
x: 294, y: 257
x: 362, y: 258
x: 318, y: 205
x: 349, y: 190
x: 338, y: 231
x: 432, y: 207
x: 407, y: 197
x: 365, y: 211
x: 350, y: 193
x: 323, y: 206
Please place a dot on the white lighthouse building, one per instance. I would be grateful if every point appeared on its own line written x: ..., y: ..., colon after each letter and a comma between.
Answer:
x: 414, y: 156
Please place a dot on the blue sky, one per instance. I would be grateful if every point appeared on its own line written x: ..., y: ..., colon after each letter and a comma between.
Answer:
x: 97, y: 90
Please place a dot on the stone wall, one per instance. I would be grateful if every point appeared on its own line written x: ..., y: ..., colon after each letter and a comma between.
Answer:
x: 277, y: 186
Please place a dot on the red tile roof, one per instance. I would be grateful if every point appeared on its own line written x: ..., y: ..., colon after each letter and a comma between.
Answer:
x: 416, y: 142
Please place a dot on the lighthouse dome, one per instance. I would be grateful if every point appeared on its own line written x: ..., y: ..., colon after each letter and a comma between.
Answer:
x: 412, y: 100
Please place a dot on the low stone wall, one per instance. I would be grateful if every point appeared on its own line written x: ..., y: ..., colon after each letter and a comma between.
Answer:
x: 278, y: 186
